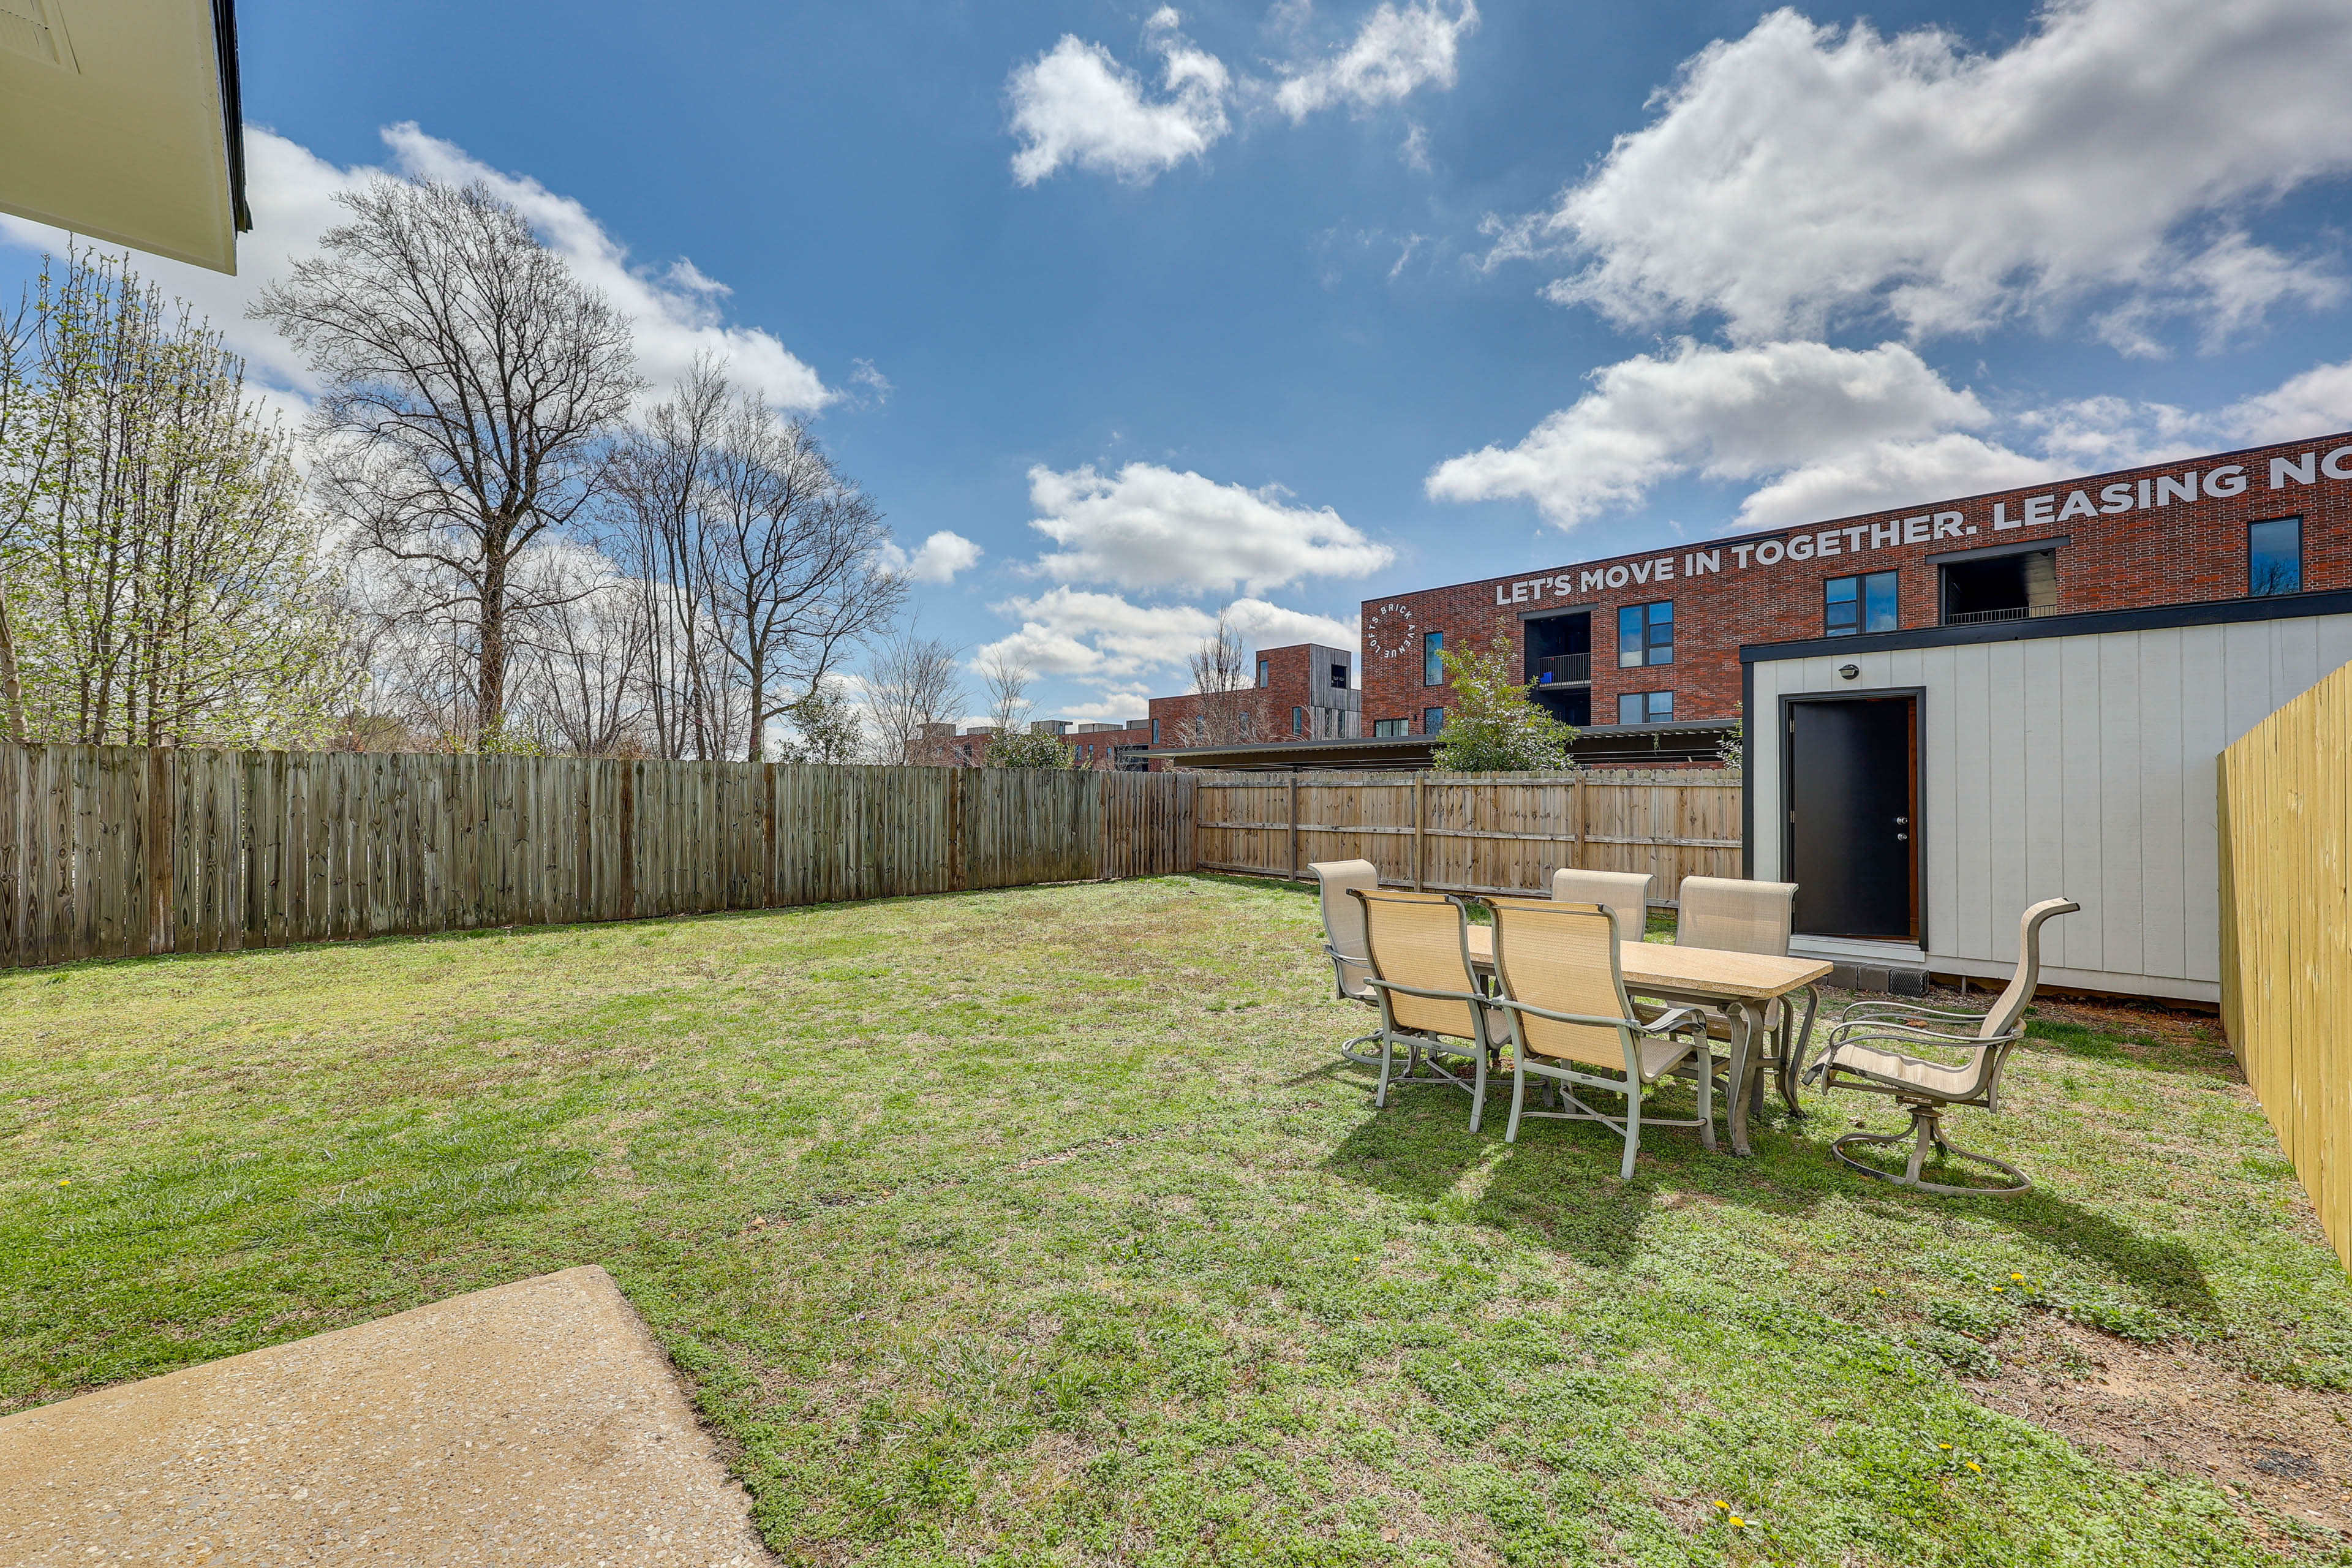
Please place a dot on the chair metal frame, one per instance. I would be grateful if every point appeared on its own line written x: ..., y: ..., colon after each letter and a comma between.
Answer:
x: 1784, y: 1040
x: 1996, y: 1037
x: 1324, y: 872
x: 1423, y: 1048
x: 1686, y: 1024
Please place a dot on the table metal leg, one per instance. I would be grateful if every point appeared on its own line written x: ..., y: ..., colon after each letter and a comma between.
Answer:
x: 1792, y: 1051
x: 1743, y: 1064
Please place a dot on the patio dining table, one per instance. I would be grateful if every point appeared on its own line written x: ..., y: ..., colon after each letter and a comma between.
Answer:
x: 1740, y: 985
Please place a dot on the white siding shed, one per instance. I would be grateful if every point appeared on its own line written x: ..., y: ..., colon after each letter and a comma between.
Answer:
x: 2079, y: 765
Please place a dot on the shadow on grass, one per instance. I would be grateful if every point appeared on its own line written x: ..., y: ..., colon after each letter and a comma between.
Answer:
x: 1560, y: 1181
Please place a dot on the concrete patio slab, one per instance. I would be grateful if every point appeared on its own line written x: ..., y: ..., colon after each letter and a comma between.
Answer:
x: 536, y: 1423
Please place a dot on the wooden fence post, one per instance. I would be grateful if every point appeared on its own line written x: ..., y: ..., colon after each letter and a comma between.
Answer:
x: 1583, y: 862
x: 956, y: 867
x: 1294, y: 825
x: 1420, y: 826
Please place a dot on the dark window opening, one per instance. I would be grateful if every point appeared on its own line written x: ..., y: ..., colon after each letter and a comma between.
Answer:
x: 1645, y: 635
x: 1854, y: 604
x: 1338, y: 677
x: 1388, y: 727
x: 1433, y: 720
x: 1646, y: 707
x: 1266, y: 672
x: 1298, y: 720
x: 2005, y: 588
x: 1569, y: 705
x: 2274, y: 557
x: 1559, y: 652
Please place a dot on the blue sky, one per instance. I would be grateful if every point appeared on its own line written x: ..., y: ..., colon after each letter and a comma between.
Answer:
x: 1284, y: 305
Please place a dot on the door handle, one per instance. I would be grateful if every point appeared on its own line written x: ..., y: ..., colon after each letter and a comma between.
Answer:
x: 1901, y: 836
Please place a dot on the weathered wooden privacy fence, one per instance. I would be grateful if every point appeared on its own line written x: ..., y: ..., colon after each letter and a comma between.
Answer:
x: 111, y: 851
x: 2285, y: 823
x: 1474, y: 833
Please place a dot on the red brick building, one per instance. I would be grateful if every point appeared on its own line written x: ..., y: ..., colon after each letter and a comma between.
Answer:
x: 1654, y: 637
x: 1303, y: 692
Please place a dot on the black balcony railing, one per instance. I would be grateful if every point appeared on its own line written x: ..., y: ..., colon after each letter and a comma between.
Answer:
x: 1565, y: 670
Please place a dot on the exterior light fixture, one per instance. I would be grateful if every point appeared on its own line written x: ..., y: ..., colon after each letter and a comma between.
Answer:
x: 1848, y: 671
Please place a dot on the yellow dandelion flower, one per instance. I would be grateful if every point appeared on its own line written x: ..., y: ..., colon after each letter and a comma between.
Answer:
x: 65, y: 1181
x: 1723, y: 1505
x: 2019, y: 1278
x: 1998, y: 1289
x: 1946, y: 1447
x: 1737, y: 1522
x: 1977, y: 1468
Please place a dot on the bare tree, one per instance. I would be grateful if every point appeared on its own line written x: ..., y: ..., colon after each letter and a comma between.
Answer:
x: 757, y: 564
x: 579, y: 657
x: 1228, y: 713
x: 795, y: 547
x: 469, y: 378
x: 658, y: 477
x: 1007, y: 679
x: 911, y: 685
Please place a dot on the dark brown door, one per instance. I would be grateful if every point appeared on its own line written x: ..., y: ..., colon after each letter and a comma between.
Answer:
x: 1854, y: 831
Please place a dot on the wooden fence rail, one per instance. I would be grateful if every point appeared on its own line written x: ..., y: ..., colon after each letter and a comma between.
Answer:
x: 2285, y: 826
x: 112, y: 851
x: 1488, y: 833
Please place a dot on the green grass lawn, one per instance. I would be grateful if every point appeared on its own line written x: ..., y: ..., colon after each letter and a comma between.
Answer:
x: 1043, y: 1226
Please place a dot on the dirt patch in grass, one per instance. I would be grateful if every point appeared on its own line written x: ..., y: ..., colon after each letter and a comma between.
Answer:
x: 2167, y: 1408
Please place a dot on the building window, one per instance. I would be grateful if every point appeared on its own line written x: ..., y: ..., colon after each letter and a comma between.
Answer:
x: 1645, y: 635
x: 1338, y: 677
x: 1432, y: 721
x: 1266, y: 672
x: 1298, y: 720
x: 1853, y: 604
x: 1388, y: 726
x: 2011, y: 587
x: 2274, y: 557
x: 1646, y: 707
x: 1155, y: 731
x: 1433, y: 667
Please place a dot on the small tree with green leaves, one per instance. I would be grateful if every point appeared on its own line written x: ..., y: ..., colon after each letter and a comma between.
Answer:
x: 1495, y: 727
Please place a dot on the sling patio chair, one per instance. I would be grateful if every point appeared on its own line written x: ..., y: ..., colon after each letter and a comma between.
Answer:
x: 1861, y: 1056
x: 1343, y: 940
x: 1624, y: 894
x: 1732, y: 915
x: 1562, y: 989
x: 1432, y: 1004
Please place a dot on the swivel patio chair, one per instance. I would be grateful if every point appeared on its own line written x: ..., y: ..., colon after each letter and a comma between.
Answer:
x: 1562, y: 989
x: 1732, y: 915
x: 1861, y: 1056
x: 1624, y: 894
x: 1343, y: 940
x: 1432, y: 1005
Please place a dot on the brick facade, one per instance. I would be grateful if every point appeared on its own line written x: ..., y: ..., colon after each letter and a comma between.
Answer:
x: 1309, y: 694
x: 2170, y: 533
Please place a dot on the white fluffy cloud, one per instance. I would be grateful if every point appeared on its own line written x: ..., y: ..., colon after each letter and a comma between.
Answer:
x: 1074, y: 104
x: 1738, y: 412
x: 1104, y: 639
x: 675, y: 309
x: 1397, y: 50
x: 1153, y: 528
x: 1802, y: 175
x: 937, y: 560
x: 1834, y: 432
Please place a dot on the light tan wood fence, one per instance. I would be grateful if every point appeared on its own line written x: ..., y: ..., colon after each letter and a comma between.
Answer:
x: 111, y: 851
x: 2285, y: 820
x: 1475, y: 833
